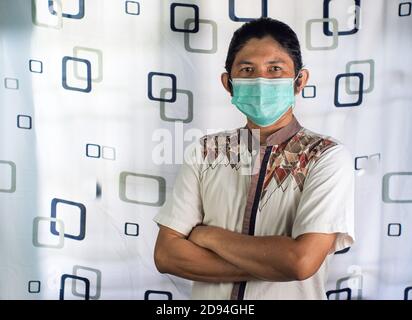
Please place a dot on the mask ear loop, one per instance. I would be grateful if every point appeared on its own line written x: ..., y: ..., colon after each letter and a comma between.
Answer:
x: 299, y: 75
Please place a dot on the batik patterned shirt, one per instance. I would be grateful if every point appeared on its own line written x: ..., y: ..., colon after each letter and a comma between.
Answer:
x: 297, y: 182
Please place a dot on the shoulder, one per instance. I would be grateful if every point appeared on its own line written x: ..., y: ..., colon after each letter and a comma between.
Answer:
x: 323, y: 150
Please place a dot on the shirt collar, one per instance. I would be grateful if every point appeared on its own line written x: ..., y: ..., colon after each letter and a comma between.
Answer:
x: 283, y: 134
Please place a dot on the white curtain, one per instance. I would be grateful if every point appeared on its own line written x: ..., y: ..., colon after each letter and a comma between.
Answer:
x: 90, y: 88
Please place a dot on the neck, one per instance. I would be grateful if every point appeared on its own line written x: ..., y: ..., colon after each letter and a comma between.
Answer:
x: 267, y: 131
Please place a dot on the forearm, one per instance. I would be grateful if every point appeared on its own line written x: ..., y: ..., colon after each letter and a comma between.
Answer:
x: 188, y: 260
x: 271, y: 258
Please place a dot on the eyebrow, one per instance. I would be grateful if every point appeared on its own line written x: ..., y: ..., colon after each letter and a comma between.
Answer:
x: 267, y: 62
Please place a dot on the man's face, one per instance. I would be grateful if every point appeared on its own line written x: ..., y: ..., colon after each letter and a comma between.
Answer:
x: 262, y: 58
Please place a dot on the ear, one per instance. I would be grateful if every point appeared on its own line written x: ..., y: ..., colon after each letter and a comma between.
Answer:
x: 301, y: 81
x: 225, y: 82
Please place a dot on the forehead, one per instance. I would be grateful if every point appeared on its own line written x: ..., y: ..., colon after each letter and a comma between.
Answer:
x: 265, y: 49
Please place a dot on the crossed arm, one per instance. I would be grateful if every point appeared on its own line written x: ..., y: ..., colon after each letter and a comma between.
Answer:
x: 213, y: 254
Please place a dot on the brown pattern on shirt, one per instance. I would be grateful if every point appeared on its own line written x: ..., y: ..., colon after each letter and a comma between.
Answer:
x: 288, y: 158
x: 226, y: 143
x: 292, y: 158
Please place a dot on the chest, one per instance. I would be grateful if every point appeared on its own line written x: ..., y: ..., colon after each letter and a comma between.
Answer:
x: 229, y: 195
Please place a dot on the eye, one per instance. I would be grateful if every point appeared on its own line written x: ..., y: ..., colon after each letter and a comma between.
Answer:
x: 275, y: 68
x: 246, y: 69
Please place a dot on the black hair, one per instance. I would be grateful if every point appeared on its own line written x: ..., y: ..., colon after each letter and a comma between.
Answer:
x: 260, y: 28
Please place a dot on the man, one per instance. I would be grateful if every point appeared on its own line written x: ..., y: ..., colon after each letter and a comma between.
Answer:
x: 269, y: 234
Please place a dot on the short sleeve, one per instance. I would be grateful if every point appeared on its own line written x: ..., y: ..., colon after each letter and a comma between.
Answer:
x: 327, y: 201
x: 183, y: 207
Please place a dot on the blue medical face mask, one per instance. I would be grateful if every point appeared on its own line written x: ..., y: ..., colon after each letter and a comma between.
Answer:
x: 264, y: 101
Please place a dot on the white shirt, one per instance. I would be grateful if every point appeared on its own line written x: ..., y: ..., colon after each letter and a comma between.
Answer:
x: 298, y: 182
